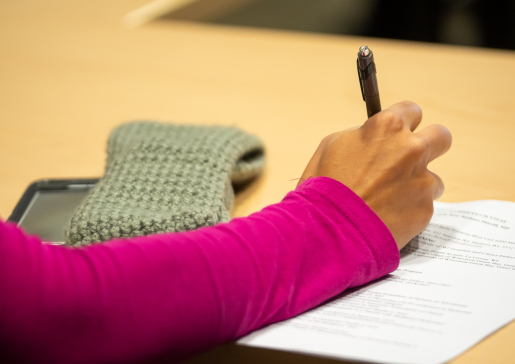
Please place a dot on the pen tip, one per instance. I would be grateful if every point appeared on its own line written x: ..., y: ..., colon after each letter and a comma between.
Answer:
x: 364, y: 51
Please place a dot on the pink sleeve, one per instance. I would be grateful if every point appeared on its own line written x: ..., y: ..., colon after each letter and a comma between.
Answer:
x: 176, y: 294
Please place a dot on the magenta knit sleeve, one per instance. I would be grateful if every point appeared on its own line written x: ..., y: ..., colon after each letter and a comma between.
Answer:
x: 180, y: 293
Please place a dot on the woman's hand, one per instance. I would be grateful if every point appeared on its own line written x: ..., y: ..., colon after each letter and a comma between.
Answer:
x: 385, y: 163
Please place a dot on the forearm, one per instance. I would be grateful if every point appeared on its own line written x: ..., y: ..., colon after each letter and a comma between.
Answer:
x: 181, y: 293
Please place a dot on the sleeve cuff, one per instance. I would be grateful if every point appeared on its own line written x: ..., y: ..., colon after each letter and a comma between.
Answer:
x: 352, y: 208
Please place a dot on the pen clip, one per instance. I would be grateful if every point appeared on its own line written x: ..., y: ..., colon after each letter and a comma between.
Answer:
x: 360, y: 80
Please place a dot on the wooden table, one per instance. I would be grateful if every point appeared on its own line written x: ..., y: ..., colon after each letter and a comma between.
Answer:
x: 70, y: 72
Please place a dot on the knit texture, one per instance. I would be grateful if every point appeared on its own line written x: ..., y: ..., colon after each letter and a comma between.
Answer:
x: 165, y: 178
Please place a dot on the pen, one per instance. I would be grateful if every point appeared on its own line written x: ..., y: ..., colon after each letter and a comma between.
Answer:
x: 368, y: 80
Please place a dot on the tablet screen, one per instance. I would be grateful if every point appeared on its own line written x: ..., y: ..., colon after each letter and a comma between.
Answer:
x: 49, y: 211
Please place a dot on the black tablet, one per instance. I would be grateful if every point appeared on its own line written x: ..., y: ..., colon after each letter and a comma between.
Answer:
x: 47, y: 205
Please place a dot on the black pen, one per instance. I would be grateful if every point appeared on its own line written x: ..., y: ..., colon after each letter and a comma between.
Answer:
x: 368, y: 80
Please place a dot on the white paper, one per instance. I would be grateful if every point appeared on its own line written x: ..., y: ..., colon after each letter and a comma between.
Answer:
x: 455, y: 285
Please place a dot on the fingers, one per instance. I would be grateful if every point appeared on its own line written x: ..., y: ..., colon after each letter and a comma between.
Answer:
x: 407, y: 113
x: 438, y: 186
x: 437, y: 139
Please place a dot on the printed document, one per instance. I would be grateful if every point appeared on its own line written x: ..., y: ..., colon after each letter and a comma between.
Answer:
x: 455, y: 285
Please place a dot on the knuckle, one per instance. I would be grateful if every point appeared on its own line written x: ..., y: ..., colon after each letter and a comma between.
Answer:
x: 411, y: 105
x: 439, y: 129
x: 391, y: 121
x: 329, y: 138
x: 326, y: 141
x: 429, y: 181
x: 445, y: 133
x: 417, y: 147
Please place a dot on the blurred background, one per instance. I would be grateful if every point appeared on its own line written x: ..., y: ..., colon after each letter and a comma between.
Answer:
x: 478, y: 23
x: 71, y: 72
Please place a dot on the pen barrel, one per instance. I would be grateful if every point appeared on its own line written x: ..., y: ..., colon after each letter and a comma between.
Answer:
x: 373, y: 105
x: 367, y: 75
x: 370, y: 88
x: 368, y: 81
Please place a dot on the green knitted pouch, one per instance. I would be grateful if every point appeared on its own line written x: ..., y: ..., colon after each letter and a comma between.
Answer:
x: 165, y: 178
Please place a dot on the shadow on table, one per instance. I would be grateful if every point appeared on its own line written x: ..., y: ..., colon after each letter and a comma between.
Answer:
x: 240, y: 354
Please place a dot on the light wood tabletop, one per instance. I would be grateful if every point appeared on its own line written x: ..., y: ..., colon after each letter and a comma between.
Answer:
x: 71, y: 72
